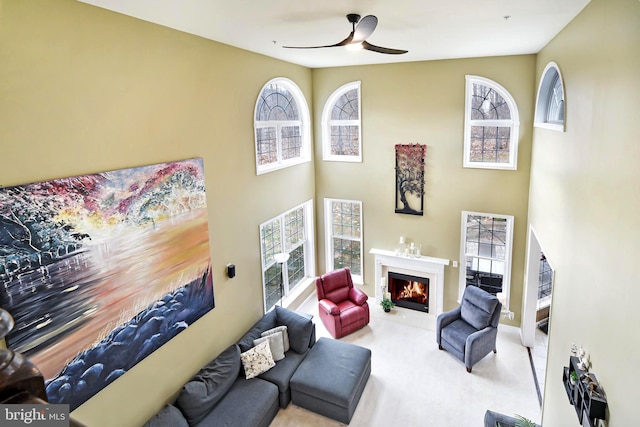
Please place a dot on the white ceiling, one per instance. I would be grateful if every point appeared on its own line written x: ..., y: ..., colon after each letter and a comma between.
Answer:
x: 428, y: 29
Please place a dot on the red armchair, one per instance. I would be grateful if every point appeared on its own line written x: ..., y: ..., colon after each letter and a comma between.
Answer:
x: 342, y: 308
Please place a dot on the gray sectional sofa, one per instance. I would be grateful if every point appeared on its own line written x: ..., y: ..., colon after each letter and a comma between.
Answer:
x: 220, y: 395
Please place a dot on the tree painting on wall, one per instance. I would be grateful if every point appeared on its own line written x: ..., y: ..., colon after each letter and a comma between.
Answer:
x: 410, y: 178
x: 100, y: 270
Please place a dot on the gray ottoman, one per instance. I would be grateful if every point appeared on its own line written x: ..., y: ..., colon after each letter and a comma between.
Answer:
x: 331, y: 379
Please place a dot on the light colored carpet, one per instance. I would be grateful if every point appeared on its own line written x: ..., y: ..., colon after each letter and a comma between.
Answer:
x: 413, y: 383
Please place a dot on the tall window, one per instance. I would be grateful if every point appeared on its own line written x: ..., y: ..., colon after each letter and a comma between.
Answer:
x: 486, y: 252
x: 550, y: 101
x: 343, y: 231
x: 282, y: 130
x: 491, y: 126
x: 290, y: 233
x: 341, y: 135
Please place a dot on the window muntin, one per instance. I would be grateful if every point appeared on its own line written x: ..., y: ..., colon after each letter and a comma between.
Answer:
x: 550, y: 102
x: 486, y: 252
x: 491, y: 126
x: 281, y: 121
x: 343, y: 231
x: 341, y: 125
x: 290, y: 232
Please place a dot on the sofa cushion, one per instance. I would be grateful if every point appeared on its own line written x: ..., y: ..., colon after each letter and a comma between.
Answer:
x: 285, y: 335
x: 268, y: 321
x: 257, y: 360
x: 276, y: 345
x: 300, y: 328
x: 456, y: 334
x: 209, y: 385
x: 477, y: 307
x: 169, y: 416
x: 249, y: 403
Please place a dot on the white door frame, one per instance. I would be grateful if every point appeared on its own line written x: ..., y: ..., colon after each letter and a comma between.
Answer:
x: 530, y: 292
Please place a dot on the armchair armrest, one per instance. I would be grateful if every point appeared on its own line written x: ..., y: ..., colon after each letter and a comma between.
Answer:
x: 328, y: 306
x: 445, y: 319
x: 358, y: 296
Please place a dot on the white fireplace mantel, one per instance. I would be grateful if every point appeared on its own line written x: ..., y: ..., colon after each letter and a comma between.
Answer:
x: 423, y: 266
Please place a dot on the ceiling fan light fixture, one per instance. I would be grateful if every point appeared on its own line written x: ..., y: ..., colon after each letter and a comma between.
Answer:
x: 354, y: 46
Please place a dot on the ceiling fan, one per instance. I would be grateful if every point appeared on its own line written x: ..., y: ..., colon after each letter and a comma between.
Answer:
x: 362, y: 28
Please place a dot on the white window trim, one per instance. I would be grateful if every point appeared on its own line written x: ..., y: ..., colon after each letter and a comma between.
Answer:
x: 309, y: 251
x: 327, y: 123
x: 506, y: 279
x: 305, y: 131
x: 542, y: 99
x: 513, y: 123
x: 328, y: 232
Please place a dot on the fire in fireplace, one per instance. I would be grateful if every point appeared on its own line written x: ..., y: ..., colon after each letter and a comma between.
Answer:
x: 409, y: 291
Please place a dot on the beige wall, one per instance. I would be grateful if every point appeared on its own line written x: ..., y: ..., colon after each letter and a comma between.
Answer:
x: 85, y: 90
x: 423, y: 102
x: 584, y: 206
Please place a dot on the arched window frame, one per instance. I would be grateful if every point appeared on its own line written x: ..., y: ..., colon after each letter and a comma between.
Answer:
x: 302, y: 122
x: 550, y: 92
x: 513, y: 124
x: 328, y: 123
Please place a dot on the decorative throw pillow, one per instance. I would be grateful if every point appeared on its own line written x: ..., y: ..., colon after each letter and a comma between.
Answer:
x: 276, y: 345
x: 285, y: 335
x: 257, y: 360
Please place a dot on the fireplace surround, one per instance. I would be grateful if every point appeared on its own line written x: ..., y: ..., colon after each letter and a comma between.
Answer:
x: 425, y: 267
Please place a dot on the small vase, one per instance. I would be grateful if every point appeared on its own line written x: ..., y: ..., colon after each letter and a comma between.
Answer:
x: 386, y: 310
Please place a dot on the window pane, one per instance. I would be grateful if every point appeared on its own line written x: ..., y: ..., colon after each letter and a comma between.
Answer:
x: 490, y: 144
x: 346, y: 219
x: 266, y: 145
x: 294, y: 228
x: 346, y: 107
x: 487, y: 104
x: 346, y: 253
x: 345, y: 140
x: 295, y: 267
x: 273, y: 278
x: 291, y: 142
x: 271, y: 244
x: 276, y: 103
x: 555, y: 107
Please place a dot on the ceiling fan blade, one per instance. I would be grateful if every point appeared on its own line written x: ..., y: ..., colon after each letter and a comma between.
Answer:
x: 389, y: 51
x: 365, y: 28
x: 342, y: 43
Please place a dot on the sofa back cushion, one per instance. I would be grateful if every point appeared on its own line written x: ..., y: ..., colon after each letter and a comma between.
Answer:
x: 268, y: 321
x: 334, y: 285
x: 169, y: 416
x: 198, y: 397
x: 478, y: 307
x: 299, y: 328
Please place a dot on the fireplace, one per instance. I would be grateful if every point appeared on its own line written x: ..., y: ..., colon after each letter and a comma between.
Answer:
x: 409, y: 291
x: 423, y: 267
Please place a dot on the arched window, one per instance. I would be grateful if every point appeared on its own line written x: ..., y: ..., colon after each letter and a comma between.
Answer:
x: 341, y: 134
x: 491, y: 126
x: 281, y: 123
x: 550, y: 99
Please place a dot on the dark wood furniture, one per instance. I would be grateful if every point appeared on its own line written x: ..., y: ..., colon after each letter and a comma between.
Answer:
x: 585, y: 395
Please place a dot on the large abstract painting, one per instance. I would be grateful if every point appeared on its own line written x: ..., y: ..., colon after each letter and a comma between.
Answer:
x: 100, y: 270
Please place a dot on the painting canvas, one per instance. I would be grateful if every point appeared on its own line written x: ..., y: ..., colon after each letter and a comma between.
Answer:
x: 100, y: 270
x: 410, y: 178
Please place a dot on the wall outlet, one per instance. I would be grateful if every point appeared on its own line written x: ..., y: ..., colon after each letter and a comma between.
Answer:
x: 455, y: 264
